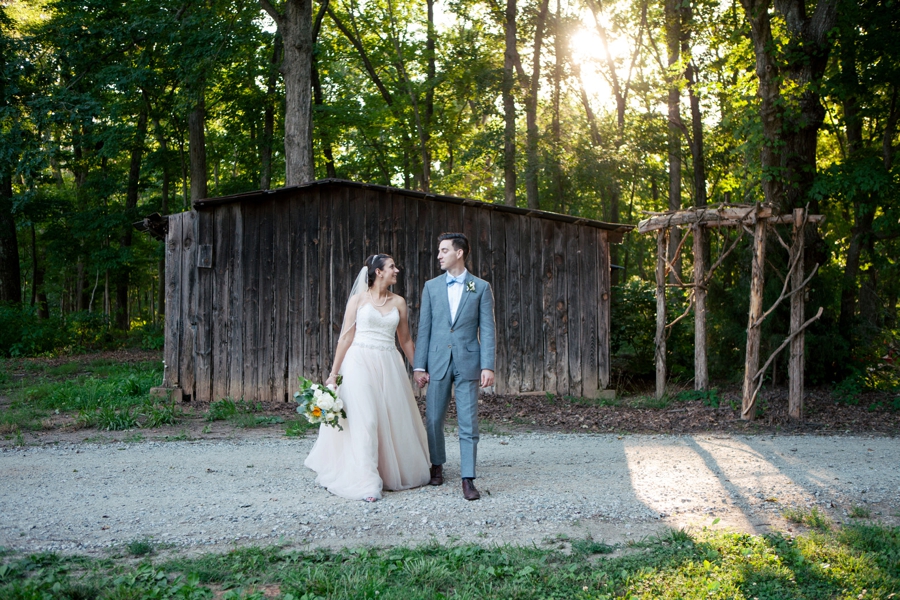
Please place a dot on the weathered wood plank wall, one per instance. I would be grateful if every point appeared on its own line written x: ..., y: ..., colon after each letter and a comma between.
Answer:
x: 269, y: 305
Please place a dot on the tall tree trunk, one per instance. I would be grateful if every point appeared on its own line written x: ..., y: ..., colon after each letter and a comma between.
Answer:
x: 295, y: 26
x: 531, y: 104
x: 197, y: 144
x: 131, y: 198
x: 673, y: 46
x: 788, y: 155
x: 863, y: 211
x: 559, y: 200
x: 265, y: 146
x: 431, y: 75
x: 10, y: 275
x: 696, y: 141
x: 510, y: 57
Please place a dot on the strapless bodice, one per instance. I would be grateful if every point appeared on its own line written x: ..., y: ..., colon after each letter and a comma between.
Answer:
x: 375, y: 330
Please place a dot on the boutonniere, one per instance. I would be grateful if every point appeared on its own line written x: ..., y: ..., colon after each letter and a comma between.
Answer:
x: 470, y: 286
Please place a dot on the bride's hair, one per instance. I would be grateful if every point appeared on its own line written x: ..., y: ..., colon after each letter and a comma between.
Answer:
x: 375, y: 262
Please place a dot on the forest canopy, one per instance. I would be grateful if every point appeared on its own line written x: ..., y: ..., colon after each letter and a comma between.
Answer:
x: 112, y: 110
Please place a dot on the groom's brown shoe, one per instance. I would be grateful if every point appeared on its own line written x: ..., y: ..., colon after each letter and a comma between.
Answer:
x: 469, y: 491
x: 437, y: 475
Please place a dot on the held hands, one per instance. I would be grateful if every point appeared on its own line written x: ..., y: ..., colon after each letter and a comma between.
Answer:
x: 421, y: 378
x: 487, y: 378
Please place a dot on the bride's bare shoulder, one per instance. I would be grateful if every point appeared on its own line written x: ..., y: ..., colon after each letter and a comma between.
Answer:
x: 354, y: 302
x: 398, y: 301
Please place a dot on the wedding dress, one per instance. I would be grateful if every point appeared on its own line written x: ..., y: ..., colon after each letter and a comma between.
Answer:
x: 383, y: 444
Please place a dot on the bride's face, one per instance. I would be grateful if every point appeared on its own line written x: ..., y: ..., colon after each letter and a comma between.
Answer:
x: 390, y: 272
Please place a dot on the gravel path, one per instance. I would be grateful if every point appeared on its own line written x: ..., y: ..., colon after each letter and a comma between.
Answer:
x: 536, y: 488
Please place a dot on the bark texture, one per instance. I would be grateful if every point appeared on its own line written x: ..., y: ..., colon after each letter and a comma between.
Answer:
x: 295, y: 26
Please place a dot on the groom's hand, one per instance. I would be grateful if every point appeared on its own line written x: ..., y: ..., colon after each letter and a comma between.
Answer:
x: 487, y: 378
x: 421, y: 378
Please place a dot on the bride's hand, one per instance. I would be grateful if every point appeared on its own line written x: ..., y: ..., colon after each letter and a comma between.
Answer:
x: 332, y: 380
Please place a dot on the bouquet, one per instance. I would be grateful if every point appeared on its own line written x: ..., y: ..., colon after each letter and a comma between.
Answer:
x: 319, y: 403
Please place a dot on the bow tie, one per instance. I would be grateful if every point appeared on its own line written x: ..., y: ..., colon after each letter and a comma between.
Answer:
x: 452, y: 280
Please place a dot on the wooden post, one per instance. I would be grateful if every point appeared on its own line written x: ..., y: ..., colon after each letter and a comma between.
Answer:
x: 701, y: 376
x: 661, y: 252
x: 796, y: 364
x: 757, y: 281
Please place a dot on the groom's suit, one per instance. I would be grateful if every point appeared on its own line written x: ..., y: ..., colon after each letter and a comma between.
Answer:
x: 455, y: 351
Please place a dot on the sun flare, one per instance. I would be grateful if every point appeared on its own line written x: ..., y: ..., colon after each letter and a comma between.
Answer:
x: 589, y: 58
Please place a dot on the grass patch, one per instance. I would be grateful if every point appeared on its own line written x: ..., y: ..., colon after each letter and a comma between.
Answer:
x: 297, y: 427
x: 102, y: 394
x: 226, y: 408
x: 857, y: 561
x: 811, y: 518
x: 140, y: 547
x: 859, y: 512
x: 240, y: 413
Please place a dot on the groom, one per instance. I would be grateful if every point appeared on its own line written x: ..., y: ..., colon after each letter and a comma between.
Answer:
x: 455, y: 346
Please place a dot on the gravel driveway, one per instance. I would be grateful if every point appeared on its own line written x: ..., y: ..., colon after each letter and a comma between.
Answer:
x: 536, y: 488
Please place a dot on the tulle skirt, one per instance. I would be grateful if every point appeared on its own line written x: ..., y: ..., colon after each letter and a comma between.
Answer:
x: 383, y: 444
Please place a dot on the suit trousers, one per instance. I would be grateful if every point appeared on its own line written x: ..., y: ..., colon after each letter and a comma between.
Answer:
x: 437, y: 400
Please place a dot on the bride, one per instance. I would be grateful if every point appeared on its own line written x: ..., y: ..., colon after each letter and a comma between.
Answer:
x: 383, y: 444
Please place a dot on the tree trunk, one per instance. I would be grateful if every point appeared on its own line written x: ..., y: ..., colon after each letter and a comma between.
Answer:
x: 509, y: 106
x: 701, y: 374
x: 265, y: 145
x: 295, y: 26
x: 788, y: 156
x: 131, y: 198
x: 431, y: 74
x: 197, y: 137
x: 661, y: 257
x: 559, y: 199
x: 10, y: 275
x: 754, y: 327
x: 531, y: 104
x: 863, y: 212
x: 797, y: 360
x: 673, y: 45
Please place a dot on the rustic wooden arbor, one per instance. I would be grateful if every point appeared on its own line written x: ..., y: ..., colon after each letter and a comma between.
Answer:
x: 757, y: 220
x: 256, y: 285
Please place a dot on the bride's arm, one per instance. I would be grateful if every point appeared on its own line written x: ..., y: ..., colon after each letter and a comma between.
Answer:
x: 348, y: 329
x: 406, y: 342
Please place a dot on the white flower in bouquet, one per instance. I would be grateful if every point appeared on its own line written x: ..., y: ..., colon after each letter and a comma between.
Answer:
x: 320, y: 404
x: 326, y: 403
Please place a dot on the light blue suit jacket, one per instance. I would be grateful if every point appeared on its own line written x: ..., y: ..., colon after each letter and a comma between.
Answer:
x: 469, y: 340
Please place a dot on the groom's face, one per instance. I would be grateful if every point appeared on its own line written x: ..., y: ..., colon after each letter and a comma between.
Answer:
x: 448, y: 256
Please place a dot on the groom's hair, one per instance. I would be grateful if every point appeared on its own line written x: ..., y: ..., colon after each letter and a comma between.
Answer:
x: 459, y: 241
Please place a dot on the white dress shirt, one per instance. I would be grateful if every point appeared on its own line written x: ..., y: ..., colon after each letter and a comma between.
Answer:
x: 455, y: 292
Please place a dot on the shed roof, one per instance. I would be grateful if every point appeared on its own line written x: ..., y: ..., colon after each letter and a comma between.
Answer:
x: 541, y: 214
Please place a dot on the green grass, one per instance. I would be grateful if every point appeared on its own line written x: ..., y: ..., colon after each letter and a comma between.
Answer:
x: 240, y: 413
x: 860, y: 561
x: 140, y: 547
x: 859, y: 512
x: 100, y: 393
x: 227, y: 408
x: 811, y: 518
x: 297, y: 427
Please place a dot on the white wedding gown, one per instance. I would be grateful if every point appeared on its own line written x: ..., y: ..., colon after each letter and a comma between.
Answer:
x: 383, y: 444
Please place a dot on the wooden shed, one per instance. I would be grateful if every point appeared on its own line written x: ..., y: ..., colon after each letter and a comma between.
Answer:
x: 256, y: 285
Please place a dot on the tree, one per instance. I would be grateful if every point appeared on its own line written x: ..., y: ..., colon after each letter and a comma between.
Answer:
x: 295, y: 28
x: 789, y: 66
x: 10, y: 139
